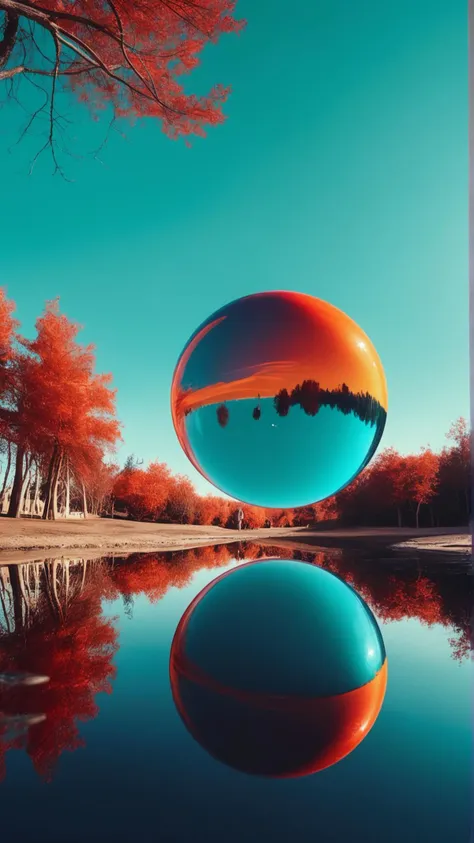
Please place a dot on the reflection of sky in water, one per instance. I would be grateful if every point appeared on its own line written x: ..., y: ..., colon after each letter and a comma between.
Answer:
x: 142, y: 777
x: 279, y: 461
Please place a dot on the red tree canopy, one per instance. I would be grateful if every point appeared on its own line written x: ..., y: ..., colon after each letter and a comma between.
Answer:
x: 127, y: 55
x: 62, y: 401
x: 144, y: 493
x: 7, y: 326
x: 421, y: 476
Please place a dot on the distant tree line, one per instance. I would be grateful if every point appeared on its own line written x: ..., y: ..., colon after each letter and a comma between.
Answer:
x: 425, y: 489
x: 310, y: 397
x: 58, y: 431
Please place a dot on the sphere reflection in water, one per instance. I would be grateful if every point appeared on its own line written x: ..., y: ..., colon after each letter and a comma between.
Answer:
x: 278, y: 668
x: 279, y: 399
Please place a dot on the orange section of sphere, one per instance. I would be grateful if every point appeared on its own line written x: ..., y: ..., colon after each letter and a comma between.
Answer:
x: 324, y: 343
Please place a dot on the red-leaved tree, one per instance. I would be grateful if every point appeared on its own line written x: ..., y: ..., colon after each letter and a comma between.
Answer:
x: 64, y: 411
x: 124, y: 56
x: 421, y: 478
x: 7, y: 328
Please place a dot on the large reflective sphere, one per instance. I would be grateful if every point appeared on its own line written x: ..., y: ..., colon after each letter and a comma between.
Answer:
x: 279, y: 399
x: 278, y: 668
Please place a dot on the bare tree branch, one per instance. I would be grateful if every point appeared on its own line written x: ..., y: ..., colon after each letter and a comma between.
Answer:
x: 123, y: 46
x: 98, y: 54
x: 73, y: 42
x: 13, y: 71
x: 34, y: 11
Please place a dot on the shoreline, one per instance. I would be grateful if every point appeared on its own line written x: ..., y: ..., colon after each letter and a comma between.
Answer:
x: 23, y: 540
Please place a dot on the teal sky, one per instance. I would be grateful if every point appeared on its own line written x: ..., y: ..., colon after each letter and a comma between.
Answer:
x: 341, y: 171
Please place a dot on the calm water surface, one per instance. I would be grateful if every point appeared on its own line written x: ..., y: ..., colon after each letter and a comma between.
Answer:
x: 111, y: 760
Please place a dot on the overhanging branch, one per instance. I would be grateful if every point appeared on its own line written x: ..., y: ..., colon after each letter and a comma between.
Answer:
x: 9, y: 37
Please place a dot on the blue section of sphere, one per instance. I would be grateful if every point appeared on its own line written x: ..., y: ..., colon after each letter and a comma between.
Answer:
x: 284, y: 627
x: 280, y: 461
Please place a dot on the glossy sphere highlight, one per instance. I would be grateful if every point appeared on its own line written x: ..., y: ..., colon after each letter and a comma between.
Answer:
x: 279, y: 399
x: 278, y: 668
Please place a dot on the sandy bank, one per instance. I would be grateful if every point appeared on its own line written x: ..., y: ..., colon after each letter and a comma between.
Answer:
x: 23, y: 539
x: 459, y: 544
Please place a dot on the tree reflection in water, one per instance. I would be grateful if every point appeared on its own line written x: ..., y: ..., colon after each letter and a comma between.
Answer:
x: 52, y: 626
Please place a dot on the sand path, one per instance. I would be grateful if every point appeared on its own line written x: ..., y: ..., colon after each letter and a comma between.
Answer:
x: 25, y: 538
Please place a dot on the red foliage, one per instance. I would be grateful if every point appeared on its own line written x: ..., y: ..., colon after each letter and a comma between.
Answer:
x: 61, y: 414
x: 181, y: 503
x: 420, y: 478
x: 144, y: 493
x: 394, y: 483
x: 154, y: 574
x: 62, y: 401
x: 206, y: 509
x: 254, y: 517
x: 8, y: 326
x: 64, y: 635
x: 281, y: 517
x: 222, y: 510
x: 75, y: 649
x: 64, y: 412
x: 304, y: 515
x: 129, y: 55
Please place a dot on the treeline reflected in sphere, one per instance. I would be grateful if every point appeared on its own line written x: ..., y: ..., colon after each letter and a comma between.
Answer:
x: 278, y: 668
x: 279, y: 399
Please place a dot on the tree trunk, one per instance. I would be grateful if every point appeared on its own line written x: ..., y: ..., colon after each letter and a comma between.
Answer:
x: 432, y: 516
x: 68, y: 490
x: 15, y: 499
x: 84, y: 500
x: 399, y: 516
x: 7, y: 473
x: 66, y: 583
x: 54, y: 581
x: 55, y: 487
x: 14, y: 574
x: 49, y: 484
x: 418, y: 515
x: 25, y: 484
x: 26, y: 502
x: 84, y: 569
x: 5, y: 612
x: 37, y: 487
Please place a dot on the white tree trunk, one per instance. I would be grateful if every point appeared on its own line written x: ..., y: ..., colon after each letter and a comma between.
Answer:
x: 54, y: 583
x: 25, y: 484
x: 37, y: 489
x: 55, y: 489
x: 5, y: 478
x: 68, y: 490
x: 84, y: 500
x: 84, y: 569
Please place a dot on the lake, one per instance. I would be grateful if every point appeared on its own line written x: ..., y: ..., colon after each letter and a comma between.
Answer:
x: 100, y: 753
